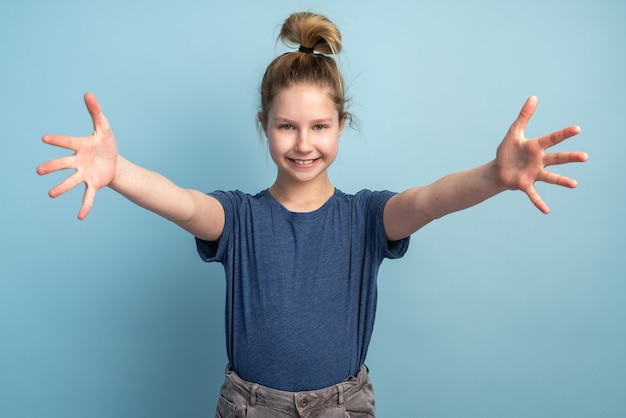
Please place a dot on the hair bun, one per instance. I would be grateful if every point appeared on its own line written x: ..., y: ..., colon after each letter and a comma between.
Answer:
x: 311, y: 30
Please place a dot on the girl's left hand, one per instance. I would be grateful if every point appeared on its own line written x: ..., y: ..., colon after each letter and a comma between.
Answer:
x: 521, y: 162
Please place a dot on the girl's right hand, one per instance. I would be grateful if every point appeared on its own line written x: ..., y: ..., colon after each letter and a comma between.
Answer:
x: 94, y: 158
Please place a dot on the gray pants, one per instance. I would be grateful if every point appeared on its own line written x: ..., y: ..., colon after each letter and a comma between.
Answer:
x: 353, y: 398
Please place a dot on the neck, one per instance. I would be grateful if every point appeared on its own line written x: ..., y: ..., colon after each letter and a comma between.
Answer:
x: 302, y: 197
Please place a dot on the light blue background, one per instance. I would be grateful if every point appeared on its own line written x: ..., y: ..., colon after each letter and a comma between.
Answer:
x: 497, y: 311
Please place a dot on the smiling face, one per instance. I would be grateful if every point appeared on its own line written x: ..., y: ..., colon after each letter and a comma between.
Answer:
x: 303, y: 129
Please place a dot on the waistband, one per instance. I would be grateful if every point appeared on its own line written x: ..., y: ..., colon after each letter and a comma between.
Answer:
x: 297, y: 401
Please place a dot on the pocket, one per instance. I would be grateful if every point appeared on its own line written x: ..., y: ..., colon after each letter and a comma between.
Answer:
x: 225, y: 408
x: 362, y: 402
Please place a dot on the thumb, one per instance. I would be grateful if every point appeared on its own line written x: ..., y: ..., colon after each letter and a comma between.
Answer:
x: 100, y: 122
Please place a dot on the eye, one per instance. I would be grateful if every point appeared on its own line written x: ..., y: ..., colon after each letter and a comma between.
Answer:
x: 318, y: 127
x: 286, y: 126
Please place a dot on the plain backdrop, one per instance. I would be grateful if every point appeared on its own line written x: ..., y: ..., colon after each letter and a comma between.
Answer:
x: 497, y: 311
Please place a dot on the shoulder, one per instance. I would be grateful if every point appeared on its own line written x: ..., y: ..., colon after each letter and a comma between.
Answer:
x: 366, y: 196
x: 237, y: 197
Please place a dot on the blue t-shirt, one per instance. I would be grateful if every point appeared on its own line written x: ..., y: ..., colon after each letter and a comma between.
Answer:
x: 300, y: 287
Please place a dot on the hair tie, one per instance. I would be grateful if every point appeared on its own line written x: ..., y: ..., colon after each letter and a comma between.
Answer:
x: 305, y: 49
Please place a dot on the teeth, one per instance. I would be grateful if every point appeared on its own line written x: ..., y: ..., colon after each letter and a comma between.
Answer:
x: 304, y: 162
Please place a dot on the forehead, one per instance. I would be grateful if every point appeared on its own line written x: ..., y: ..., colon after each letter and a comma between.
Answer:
x: 304, y: 101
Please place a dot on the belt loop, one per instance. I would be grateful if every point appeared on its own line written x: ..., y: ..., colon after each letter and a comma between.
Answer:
x: 340, y: 395
x: 253, y: 391
x: 363, y: 373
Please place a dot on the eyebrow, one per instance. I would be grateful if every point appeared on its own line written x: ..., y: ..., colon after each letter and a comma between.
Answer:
x: 313, y: 122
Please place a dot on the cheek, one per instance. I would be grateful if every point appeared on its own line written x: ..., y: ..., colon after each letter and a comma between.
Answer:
x: 331, y: 145
x: 332, y: 156
x: 275, y: 149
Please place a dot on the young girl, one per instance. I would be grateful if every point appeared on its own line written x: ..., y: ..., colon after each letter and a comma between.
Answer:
x: 301, y: 257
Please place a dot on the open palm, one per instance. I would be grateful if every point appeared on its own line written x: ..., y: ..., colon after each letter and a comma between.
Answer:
x: 94, y: 158
x: 521, y: 162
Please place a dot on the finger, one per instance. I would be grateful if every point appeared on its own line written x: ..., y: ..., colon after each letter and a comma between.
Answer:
x: 63, y: 141
x: 57, y: 164
x: 535, y: 198
x: 66, y: 185
x: 88, y: 198
x: 553, y: 178
x: 528, y: 110
x: 100, y: 122
x: 564, y: 158
x: 557, y: 137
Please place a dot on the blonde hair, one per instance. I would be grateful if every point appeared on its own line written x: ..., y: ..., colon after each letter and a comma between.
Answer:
x: 312, y: 32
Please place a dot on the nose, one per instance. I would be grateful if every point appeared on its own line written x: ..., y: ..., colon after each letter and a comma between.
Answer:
x: 303, y: 143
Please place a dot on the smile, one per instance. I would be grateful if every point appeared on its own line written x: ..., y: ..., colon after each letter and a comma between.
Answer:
x: 304, y: 162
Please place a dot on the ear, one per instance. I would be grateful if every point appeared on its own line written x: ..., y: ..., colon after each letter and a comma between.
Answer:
x: 263, y: 122
x: 342, y: 123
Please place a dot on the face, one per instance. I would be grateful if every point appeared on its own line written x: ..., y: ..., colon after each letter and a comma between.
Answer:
x: 303, y: 129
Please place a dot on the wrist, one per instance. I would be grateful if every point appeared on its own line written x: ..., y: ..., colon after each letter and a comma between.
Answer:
x: 496, y: 177
x: 120, y: 168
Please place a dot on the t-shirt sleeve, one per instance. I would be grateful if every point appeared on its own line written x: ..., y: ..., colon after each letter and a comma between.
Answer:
x: 210, y: 251
x: 390, y: 249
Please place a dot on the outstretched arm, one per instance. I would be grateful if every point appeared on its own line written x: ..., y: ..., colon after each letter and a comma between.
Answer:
x: 519, y: 163
x: 97, y: 164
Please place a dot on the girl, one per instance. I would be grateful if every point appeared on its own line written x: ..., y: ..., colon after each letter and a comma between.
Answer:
x: 301, y: 257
